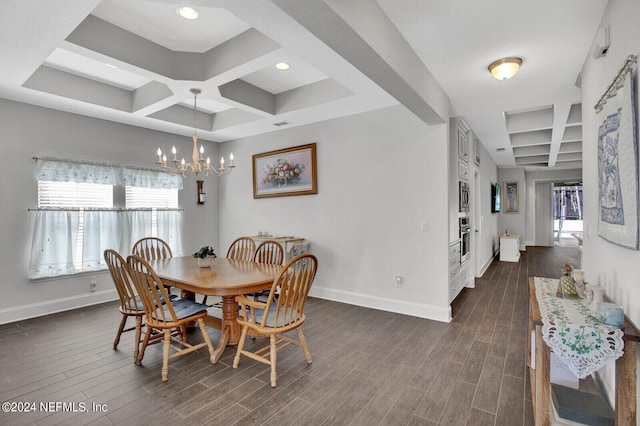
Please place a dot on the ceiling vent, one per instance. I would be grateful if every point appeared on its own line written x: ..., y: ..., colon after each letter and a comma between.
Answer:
x: 500, y: 149
x: 281, y: 123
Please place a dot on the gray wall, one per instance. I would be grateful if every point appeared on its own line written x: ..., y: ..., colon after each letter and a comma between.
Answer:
x: 29, y: 131
x: 379, y: 174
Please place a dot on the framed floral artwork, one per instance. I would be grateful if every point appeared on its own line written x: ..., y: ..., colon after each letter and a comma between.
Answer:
x: 284, y: 172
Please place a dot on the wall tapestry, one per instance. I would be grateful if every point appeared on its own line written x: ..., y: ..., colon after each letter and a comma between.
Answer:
x: 618, y: 163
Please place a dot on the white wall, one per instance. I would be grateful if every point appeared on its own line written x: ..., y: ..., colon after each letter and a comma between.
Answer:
x: 379, y: 174
x: 29, y: 131
x: 605, y: 263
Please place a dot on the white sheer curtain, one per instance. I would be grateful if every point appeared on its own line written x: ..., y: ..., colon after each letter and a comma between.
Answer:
x: 53, y: 244
x: 101, y: 232
x: 169, y: 224
x: 134, y: 224
x: 56, y: 249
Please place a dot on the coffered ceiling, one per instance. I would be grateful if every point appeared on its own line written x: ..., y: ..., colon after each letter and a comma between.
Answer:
x: 135, y: 61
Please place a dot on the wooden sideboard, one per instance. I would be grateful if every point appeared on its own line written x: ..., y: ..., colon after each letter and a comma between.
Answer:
x: 625, y: 407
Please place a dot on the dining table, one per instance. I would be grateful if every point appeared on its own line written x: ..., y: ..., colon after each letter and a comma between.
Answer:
x: 226, y: 278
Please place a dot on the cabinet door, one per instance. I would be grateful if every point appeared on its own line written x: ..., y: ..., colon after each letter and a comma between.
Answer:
x: 463, y: 144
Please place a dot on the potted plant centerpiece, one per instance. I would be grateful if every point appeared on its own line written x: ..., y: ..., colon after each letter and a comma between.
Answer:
x: 204, y: 255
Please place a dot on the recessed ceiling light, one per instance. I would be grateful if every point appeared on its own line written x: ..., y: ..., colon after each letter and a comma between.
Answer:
x: 188, y: 12
x: 110, y: 66
x: 282, y: 66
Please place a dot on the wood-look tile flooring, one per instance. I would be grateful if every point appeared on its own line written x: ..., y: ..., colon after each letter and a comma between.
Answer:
x: 370, y: 367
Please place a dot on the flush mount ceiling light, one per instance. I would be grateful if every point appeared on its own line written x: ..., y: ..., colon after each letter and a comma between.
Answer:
x: 503, y: 69
x: 282, y: 66
x: 188, y: 12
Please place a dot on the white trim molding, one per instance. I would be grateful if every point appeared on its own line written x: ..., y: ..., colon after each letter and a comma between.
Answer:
x: 19, y: 313
x: 419, y: 310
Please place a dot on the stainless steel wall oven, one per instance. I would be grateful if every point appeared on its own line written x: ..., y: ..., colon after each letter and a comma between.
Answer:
x: 464, y: 196
x: 465, y: 236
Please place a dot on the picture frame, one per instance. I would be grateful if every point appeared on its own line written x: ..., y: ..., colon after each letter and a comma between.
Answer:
x: 511, y: 197
x: 285, y: 172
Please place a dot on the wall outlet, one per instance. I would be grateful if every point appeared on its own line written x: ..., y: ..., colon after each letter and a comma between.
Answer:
x: 424, y: 225
x: 399, y: 281
x: 92, y: 284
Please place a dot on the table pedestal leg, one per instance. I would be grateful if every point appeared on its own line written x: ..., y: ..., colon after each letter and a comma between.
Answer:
x: 229, y: 315
x: 229, y: 327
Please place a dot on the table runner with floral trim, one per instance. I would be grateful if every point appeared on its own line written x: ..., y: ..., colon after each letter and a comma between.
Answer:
x: 572, y: 331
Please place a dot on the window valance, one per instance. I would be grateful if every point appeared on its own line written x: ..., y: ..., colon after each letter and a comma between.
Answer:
x: 59, y: 170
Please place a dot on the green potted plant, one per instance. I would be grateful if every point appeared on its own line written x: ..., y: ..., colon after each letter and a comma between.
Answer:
x: 204, y: 255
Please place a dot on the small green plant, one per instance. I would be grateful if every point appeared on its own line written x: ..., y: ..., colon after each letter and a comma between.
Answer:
x: 205, y: 251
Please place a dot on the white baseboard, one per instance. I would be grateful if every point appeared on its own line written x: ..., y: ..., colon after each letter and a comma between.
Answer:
x: 486, y: 265
x: 419, y: 310
x: 398, y: 306
x: 19, y: 313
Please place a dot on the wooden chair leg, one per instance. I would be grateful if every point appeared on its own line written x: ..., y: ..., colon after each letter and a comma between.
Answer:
x: 136, y: 348
x: 144, y: 344
x: 273, y: 354
x: 165, y: 354
x: 303, y: 343
x: 243, y: 338
x: 183, y: 333
x: 123, y: 322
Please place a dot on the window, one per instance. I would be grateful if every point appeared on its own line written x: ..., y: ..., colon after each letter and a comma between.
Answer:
x: 76, y: 219
x: 153, y: 198
x: 75, y: 195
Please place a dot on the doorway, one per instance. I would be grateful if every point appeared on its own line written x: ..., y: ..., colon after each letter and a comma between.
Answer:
x: 567, y: 215
x: 544, y: 215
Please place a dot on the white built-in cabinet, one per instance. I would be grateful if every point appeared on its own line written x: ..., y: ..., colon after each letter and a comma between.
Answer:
x: 455, y: 283
x: 464, y: 155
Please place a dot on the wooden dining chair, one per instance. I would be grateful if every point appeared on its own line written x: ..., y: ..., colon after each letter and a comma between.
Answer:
x: 130, y: 304
x: 278, y: 315
x: 270, y: 252
x: 168, y: 318
x: 152, y: 248
x: 242, y: 249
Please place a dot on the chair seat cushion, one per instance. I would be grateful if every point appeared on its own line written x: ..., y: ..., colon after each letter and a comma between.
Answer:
x: 271, y: 318
x: 140, y: 305
x: 185, y: 308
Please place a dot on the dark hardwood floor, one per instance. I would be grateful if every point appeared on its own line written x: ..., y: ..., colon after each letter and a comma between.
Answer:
x: 370, y: 367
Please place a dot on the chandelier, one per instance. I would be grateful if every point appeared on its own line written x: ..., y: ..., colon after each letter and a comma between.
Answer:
x: 199, y: 164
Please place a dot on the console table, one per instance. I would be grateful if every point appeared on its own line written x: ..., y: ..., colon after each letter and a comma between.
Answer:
x: 292, y: 246
x: 625, y: 406
x: 510, y: 248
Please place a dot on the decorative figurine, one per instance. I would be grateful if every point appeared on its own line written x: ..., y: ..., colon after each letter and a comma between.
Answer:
x: 567, y: 285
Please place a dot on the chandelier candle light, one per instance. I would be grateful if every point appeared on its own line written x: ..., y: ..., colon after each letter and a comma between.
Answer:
x: 199, y: 164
